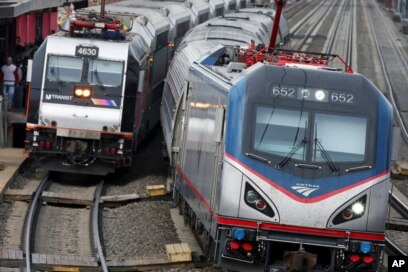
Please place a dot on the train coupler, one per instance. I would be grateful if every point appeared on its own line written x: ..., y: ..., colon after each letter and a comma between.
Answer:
x: 299, y: 260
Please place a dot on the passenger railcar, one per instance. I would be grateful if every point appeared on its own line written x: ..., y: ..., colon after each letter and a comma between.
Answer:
x: 280, y: 162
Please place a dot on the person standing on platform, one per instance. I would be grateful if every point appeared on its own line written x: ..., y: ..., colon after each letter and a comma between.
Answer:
x: 10, y: 78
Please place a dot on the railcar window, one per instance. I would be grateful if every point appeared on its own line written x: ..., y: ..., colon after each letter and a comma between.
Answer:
x: 162, y: 40
x: 279, y: 131
x: 203, y: 17
x: 61, y: 68
x: 182, y: 29
x: 105, y: 73
x: 342, y: 137
x: 232, y: 6
x: 219, y: 12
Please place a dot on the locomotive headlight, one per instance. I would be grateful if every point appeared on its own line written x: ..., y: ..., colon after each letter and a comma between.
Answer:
x: 78, y: 92
x: 357, y: 208
x: 251, y: 196
x: 319, y: 95
x: 86, y: 93
x: 82, y: 92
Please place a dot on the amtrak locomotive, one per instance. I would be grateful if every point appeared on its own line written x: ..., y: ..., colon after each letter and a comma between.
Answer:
x: 97, y: 86
x: 280, y: 162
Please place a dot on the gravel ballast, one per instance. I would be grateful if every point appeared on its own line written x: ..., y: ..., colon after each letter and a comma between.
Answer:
x: 138, y: 229
x: 5, y: 209
x: 148, y: 168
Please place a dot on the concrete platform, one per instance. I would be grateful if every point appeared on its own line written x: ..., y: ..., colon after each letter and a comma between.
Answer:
x: 16, y: 117
x: 13, y: 158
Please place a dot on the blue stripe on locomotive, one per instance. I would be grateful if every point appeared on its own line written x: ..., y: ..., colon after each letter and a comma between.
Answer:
x: 234, y: 146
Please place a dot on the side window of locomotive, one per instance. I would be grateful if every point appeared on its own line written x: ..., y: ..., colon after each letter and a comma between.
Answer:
x: 64, y: 69
x: 343, y: 138
x: 280, y: 131
x: 105, y: 73
x: 162, y: 40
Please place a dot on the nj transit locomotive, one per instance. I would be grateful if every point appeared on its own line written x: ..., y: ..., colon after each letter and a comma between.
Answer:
x: 280, y: 162
x: 96, y: 89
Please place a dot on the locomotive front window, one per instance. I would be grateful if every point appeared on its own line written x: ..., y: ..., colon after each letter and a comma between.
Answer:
x: 342, y: 137
x: 62, y: 68
x: 105, y: 73
x: 280, y: 131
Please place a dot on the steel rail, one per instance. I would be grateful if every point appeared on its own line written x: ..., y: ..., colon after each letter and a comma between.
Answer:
x: 393, y: 248
x: 387, y: 76
x: 95, y: 227
x: 335, y: 30
x: 291, y: 8
x: 398, y: 205
x: 314, y: 25
x: 31, y: 219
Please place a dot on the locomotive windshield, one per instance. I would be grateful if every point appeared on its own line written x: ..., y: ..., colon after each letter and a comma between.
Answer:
x: 277, y: 131
x: 106, y: 73
x: 343, y: 137
x: 287, y: 133
x: 62, y: 68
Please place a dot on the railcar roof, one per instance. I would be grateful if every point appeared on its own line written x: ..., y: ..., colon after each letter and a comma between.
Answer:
x: 199, y: 5
x: 239, y: 30
x: 176, y: 11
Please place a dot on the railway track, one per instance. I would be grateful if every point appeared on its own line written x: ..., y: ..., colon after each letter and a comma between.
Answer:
x: 393, y: 63
x: 293, y: 10
x: 62, y: 233
x: 304, y: 31
x: 394, y: 69
x: 340, y: 40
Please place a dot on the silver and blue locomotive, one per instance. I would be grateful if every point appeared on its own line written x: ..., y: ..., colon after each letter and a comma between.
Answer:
x: 279, y: 161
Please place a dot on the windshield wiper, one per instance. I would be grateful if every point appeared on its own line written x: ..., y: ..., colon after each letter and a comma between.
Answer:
x: 259, y: 158
x: 295, y: 146
x: 290, y: 154
x: 326, y: 157
x: 359, y: 168
x: 98, y: 79
x: 56, y: 77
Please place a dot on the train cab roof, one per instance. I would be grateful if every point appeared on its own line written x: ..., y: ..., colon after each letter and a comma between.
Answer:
x: 157, y: 20
x: 145, y: 22
x: 62, y: 44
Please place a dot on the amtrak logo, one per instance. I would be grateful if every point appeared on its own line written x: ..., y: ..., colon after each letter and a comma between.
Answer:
x: 58, y: 97
x: 305, y: 189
